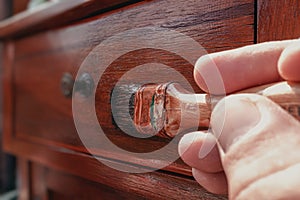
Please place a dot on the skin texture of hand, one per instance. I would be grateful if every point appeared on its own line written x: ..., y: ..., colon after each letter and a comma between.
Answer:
x: 257, y: 155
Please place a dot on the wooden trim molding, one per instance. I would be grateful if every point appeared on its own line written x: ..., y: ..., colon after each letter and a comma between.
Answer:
x: 8, y: 57
x: 53, y: 14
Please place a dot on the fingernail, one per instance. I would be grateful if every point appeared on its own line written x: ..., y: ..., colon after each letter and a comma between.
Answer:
x: 232, y: 118
x: 208, y: 76
x: 186, y: 141
x: 207, y: 146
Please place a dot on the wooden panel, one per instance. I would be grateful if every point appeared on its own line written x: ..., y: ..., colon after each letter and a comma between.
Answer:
x: 73, y: 187
x: 43, y: 115
x: 53, y: 14
x: 8, y: 101
x: 7, y: 162
x: 155, y: 185
x: 278, y: 20
x: 51, y: 184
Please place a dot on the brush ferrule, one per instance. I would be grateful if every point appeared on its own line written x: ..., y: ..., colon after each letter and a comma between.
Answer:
x: 149, y: 112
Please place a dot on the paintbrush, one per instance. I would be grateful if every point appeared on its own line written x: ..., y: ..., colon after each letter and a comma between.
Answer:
x: 167, y: 109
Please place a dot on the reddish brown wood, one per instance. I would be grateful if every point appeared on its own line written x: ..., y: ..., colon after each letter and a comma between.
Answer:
x: 8, y: 56
x: 56, y: 128
x: 24, y: 178
x: 19, y: 5
x: 7, y: 162
x: 38, y: 187
x: 38, y: 123
x: 155, y: 185
x: 73, y: 187
x: 166, y: 109
x: 38, y: 119
x: 64, y: 50
x: 53, y: 14
x: 40, y: 182
x: 278, y: 20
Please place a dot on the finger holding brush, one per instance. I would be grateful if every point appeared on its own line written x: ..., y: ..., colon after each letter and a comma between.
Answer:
x: 257, y: 156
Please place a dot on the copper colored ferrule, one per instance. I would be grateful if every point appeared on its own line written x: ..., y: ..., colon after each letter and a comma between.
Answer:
x: 168, y: 109
x: 149, y: 112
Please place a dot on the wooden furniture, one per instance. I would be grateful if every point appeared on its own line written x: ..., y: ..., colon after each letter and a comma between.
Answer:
x: 41, y: 46
x: 7, y: 162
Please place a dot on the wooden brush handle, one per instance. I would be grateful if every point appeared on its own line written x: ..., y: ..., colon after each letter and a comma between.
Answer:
x: 285, y: 94
x: 167, y: 109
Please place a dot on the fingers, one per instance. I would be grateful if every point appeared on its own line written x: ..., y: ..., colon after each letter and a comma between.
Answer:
x: 284, y: 185
x: 258, y: 139
x: 233, y: 118
x: 240, y: 68
x: 199, y: 150
x: 212, y: 182
x: 289, y: 63
x: 192, y: 152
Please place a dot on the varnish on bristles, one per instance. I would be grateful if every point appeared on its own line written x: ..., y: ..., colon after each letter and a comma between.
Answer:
x: 163, y: 110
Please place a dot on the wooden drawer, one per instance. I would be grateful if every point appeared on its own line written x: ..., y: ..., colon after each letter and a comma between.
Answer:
x: 52, y: 184
x: 40, y: 46
x: 44, y: 116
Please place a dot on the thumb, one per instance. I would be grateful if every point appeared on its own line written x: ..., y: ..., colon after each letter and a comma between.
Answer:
x: 259, y: 141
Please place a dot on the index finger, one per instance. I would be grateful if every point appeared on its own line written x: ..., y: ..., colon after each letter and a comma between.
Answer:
x: 240, y: 68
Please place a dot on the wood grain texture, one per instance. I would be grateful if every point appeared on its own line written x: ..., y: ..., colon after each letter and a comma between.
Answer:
x: 38, y: 122
x: 73, y: 187
x: 155, y: 185
x: 278, y: 20
x: 43, y: 115
x: 49, y: 184
x: 54, y: 14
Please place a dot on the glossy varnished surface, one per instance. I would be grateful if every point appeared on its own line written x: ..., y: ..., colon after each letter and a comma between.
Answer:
x: 155, y: 185
x: 277, y: 20
x: 44, y: 116
x: 53, y: 14
x: 39, y: 123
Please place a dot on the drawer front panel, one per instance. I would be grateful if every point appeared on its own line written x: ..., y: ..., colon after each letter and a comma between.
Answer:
x: 43, y: 115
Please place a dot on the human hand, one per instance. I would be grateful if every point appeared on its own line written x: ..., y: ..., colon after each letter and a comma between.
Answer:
x: 259, y: 144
